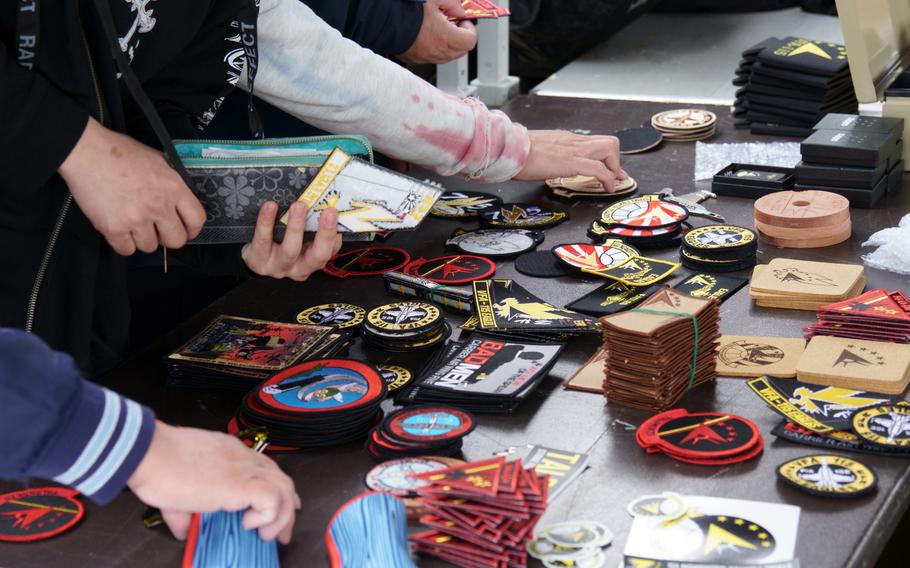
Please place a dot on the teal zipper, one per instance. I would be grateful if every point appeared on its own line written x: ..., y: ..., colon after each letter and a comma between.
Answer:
x: 270, y: 142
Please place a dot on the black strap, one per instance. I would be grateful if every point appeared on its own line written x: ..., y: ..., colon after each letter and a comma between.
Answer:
x: 248, y: 21
x: 27, y: 32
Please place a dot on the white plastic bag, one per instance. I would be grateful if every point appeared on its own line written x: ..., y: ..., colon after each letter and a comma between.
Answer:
x: 892, y: 253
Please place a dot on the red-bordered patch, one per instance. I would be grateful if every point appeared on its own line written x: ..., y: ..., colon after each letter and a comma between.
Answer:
x: 234, y: 428
x: 428, y: 424
x: 707, y: 435
x: 453, y: 269
x: 324, y: 385
x: 38, y: 513
x: 641, y: 213
x: 594, y: 257
x: 368, y: 261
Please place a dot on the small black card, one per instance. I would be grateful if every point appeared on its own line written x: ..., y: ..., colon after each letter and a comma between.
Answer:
x: 711, y: 286
x: 611, y: 298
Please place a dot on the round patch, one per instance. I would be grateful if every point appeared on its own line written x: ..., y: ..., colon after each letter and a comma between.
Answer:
x: 322, y: 385
x: 542, y: 549
x: 707, y: 435
x: 541, y: 264
x: 38, y: 513
x: 886, y: 425
x: 408, y: 317
x: 464, y: 204
x: 394, y: 377
x: 393, y: 476
x: 428, y: 424
x: 644, y: 213
x: 714, y: 237
x: 595, y: 257
x: 522, y: 216
x: 578, y: 534
x: 669, y: 505
x: 341, y: 316
x: 828, y: 475
x: 684, y: 119
x: 496, y: 243
x: 455, y: 269
x: 368, y: 261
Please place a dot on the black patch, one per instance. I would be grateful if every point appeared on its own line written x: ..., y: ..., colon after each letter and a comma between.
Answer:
x: 464, y: 204
x: 828, y: 475
x: 522, y: 216
x: 640, y: 139
x: 708, y: 435
x: 367, y: 261
x: 452, y: 270
x: 542, y: 264
x: 711, y: 286
x: 38, y: 513
x: 831, y: 406
x: 611, y: 298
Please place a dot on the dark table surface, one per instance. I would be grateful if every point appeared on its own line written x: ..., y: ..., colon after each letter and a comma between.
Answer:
x: 831, y: 532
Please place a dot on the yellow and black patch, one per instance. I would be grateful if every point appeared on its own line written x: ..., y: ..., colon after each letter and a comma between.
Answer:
x: 886, y: 425
x: 340, y: 315
x: 828, y: 475
x: 404, y: 317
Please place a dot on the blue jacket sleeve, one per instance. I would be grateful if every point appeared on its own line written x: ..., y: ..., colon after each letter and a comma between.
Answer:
x: 56, y: 425
x: 387, y: 27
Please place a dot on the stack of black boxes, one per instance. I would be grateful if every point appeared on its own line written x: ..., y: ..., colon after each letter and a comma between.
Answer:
x: 788, y: 84
x: 858, y: 157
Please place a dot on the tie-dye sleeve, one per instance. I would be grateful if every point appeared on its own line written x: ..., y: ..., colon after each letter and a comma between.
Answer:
x: 309, y: 70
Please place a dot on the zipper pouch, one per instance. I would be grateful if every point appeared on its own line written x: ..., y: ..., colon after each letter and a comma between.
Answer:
x: 233, y: 179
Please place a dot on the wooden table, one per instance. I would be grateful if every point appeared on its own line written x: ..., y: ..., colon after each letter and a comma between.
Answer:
x: 831, y: 532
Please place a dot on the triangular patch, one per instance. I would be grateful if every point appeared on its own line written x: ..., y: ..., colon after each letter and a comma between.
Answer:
x: 810, y: 48
x: 848, y: 357
x: 719, y: 537
x: 874, y: 303
x: 479, y: 476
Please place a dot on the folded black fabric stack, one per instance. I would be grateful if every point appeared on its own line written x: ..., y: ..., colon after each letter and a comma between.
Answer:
x: 788, y: 84
x: 859, y: 157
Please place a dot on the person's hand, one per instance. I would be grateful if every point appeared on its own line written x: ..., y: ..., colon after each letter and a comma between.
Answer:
x: 187, y: 470
x: 292, y: 258
x: 441, y: 40
x: 556, y: 153
x: 129, y: 193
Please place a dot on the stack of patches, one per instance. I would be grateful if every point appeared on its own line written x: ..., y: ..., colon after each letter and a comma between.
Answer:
x: 505, y: 309
x: 484, y: 374
x: 219, y: 538
x: 859, y: 157
x: 454, y: 299
x: 644, y: 221
x: 702, y: 438
x: 803, y: 219
x: 405, y: 326
x: 804, y: 285
x: 685, y: 125
x: 836, y: 418
x: 451, y: 270
x: 481, y: 513
x: 317, y: 404
x: 657, y: 352
x: 394, y: 477
x: 877, y: 315
x: 571, y: 543
x: 719, y: 248
x: 420, y: 431
x: 236, y: 353
x: 588, y: 186
x: 855, y: 364
x: 788, y: 84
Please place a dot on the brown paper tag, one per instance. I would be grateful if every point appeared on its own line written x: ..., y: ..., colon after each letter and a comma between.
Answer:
x: 873, y: 366
x: 806, y: 279
x: 590, y: 377
x: 746, y: 356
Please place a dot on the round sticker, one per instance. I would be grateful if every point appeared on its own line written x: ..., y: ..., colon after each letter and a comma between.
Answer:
x: 393, y: 476
x: 496, y: 243
x: 578, y: 534
x: 341, y: 316
x: 368, y: 261
x: 714, y: 237
x: 455, y: 269
x: 595, y: 257
x: 394, y: 377
x: 828, y: 475
x: 522, y: 215
x: 707, y: 435
x: 886, y: 425
x: 322, y: 385
x: 669, y: 505
x: 399, y: 317
x: 644, y: 213
x: 428, y: 424
x: 464, y: 204
x: 38, y: 513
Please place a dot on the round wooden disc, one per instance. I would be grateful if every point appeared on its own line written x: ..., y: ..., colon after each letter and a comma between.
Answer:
x: 802, y: 209
x: 811, y: 242
x: 789, y: 233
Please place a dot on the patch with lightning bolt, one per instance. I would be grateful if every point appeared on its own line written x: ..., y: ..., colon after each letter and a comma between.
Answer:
x: 638, y: 271
x: 885, y: 426
x: 595, y: 257
x: 453, y: 270
x: 707, y: 435
x: 522, y: 216
x: 339, y: 315
x: 38, y: 513
x: 828, y: 475
x: 464, y: 204
x: 369, y: 261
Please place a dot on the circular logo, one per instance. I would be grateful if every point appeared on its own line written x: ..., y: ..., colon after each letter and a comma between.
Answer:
x: 393, y: 476
x: 456, y: 269
x: 367, y: 261
x: 341, y: 316
x: 522, y: 215
x: 404, y: 316
x: 394, y: 377
x: 595, y: 257
x: 644, y: 213
x: 828, y: 475
x: 744, y: 353
x: 684, y: 119
x: 578, y: 534
x: 669, y: 505
x: 496, y: 242
x: 38, y: 513
x: 719, y: 236
x: 428, y: 424
x: 322, y: 385
x: 886, y: 425
x: 707, y: 435
x: 464, y: 204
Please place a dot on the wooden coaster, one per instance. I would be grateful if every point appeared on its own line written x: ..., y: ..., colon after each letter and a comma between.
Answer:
x: 789, y: 233
x: 746, y: 356
x: 589, y: 184
x: 590, y: 377
x: 802, y: 209
x: 803, y: 279
x: 874, y: 366
x: 683, y: 119
x: 806, y: 243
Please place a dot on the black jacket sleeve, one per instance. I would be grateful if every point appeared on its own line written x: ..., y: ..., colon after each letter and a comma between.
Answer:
x: 387, y: 27
x: 40, y: 125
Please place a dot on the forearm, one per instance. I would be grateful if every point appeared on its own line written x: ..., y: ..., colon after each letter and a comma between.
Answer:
x: 308, y: 70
